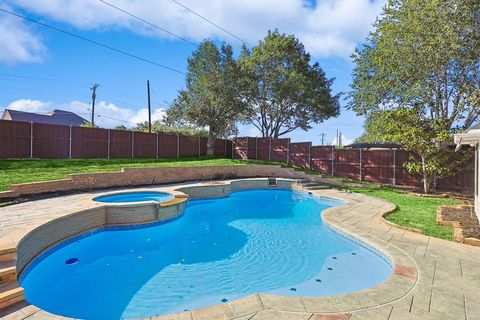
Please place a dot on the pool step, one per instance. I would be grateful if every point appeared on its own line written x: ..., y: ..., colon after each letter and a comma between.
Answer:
x: 312, y: 185
x: 302, y: 181
x: 10, y: 293
x: 7, y: 271
x: 318, y: 187
x: 8, y: 253
x: 309, y: 184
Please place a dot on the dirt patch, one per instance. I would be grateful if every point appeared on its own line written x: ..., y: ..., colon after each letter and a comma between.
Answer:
x: 465, y: 215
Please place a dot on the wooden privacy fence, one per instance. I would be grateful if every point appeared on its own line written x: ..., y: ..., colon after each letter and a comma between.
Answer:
x: 38, y: 140
x: 375, y: 165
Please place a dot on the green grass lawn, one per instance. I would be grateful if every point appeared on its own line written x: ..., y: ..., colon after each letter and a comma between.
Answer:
x: 22, y: 171
x: 413, y: 211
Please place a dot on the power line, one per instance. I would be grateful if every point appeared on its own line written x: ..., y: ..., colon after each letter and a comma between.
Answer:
x: 8, y: 75
x: 211, y: 22
x: 149, y: 23
x: 66, y: 83
x: 93, y: 42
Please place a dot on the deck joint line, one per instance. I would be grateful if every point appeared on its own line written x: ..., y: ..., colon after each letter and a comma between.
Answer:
x: 411, y: 304
x: 390, y: 313
x: 426, y: 247
x: 430, y: 300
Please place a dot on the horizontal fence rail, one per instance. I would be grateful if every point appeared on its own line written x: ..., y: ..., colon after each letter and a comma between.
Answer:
x: 37, y: 140
x: 46, y: 141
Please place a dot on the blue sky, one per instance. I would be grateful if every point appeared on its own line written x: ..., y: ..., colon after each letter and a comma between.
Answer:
x: 41, y: 69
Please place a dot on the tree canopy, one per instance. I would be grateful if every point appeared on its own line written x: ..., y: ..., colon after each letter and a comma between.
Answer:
x: 212, y: 98
x: 282, y: 90
x: 417, y: 79
x: 159, y: 126
x: 423, y: 53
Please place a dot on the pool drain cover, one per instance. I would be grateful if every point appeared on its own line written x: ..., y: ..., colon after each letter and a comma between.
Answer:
x: 72, y: 261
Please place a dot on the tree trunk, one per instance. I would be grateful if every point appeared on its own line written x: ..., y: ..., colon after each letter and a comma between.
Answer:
x: 426, y: 182
x: 211, y: 144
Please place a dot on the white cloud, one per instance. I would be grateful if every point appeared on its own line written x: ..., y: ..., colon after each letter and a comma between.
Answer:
x: 18, y: 43
x: 332, y: 28
x: 103, y: 110
x: 28, y: 105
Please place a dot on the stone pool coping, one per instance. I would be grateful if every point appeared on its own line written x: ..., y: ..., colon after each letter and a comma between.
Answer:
x: 360, y: 217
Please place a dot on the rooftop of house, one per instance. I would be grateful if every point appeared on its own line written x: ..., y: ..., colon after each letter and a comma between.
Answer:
x: 469, y: 137
x: 60, y: 117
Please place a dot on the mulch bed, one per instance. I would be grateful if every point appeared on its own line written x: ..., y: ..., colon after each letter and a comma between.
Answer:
x: 466, y: 216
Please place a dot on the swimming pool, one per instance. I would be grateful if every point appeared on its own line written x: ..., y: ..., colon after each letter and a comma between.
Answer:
x: 135, y: 197
x: 220, y: 249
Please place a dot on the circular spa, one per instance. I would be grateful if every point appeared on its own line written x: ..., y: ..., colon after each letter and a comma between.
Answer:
x: 135, y: 197
x: 271, y: 241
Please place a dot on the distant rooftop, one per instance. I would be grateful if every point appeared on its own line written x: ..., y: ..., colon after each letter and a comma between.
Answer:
x: 60, y: 117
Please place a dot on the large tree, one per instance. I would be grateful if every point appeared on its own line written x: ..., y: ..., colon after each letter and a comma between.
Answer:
x: 282, y: 89
x: 212, y: 98
x: 417, y: 79
x: 423, y: 54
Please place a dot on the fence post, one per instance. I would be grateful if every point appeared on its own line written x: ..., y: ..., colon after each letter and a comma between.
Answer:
x: 288, y: 149
x: 178, y: 146
x: 270, y: 149
x: 108, y: 147
x: 333, y: 157
x: 394, y: 166
x: 156, y: 150
x: 256, y: 148
x: 310, y: 156
x: 360, y: 164
x: 133, y: 144
x: 199, y: 146
x: 31, y: 139
x: 233, y: 145
x: 70, y: 143
x: 225, y: 146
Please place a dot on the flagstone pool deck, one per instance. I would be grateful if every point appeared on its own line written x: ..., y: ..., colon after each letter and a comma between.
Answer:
x: 431, y: 279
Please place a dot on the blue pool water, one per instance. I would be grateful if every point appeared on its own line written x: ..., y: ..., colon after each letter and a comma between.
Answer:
x: 270, y: 241
x: 135, y: 197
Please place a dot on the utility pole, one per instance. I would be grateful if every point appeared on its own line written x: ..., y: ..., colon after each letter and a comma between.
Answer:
x: 94, y: 96
x: 149, y: 108
x: 323, y: 137
x: 336, y: 139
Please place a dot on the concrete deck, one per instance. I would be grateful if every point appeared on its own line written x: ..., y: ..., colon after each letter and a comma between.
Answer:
x: 432, y: 279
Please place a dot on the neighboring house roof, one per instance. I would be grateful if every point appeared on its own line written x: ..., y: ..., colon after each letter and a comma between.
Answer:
x: 469, y: 137
x: 60, y: 117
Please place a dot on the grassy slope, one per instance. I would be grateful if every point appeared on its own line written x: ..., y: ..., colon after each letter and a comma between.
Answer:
x: 413, y: 211
x: 22, y: 171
